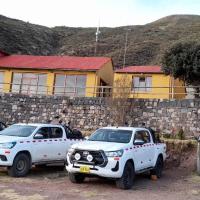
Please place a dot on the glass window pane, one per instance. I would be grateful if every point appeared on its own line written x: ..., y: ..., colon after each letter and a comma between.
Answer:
x: 42, y: 79
x: 142, y: 84
x: 1, y: 81
x: 148, y: 83
x: 70, y: 85
x: 29, y: 83
x: 56, y: 132
x: 81, y: 85
x: 16, y: 82
x: 59, y: 85
x: 136, y: 83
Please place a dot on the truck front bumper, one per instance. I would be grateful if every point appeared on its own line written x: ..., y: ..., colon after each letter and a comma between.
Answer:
x: 113, y: 169
x: 6, y: 157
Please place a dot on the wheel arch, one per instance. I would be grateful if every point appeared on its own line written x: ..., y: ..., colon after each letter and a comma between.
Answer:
x: 160, y: 156
x: 131, y: 161
x: 27, y: 153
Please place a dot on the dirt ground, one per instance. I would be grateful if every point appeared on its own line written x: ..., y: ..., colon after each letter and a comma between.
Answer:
x: 52, y: 183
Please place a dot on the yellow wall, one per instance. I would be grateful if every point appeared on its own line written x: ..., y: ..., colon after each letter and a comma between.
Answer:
x: 158, y: 80
x: 106, y: 73
x: 179, y: 92
x: 7, y: 80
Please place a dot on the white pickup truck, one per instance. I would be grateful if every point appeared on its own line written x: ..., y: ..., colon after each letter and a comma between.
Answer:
x: 118, y: 153
x: 24, y: 145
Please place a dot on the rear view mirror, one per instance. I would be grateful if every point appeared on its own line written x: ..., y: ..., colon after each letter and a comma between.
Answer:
x: 138, y: 142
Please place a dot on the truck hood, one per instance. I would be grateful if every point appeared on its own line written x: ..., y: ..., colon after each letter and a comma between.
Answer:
x: 96, y: 145
x: 4, y: 138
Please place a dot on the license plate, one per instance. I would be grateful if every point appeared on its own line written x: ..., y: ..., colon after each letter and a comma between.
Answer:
x: 84, y: 169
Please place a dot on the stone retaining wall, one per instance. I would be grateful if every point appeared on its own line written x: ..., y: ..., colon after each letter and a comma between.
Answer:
x: 90, y: 113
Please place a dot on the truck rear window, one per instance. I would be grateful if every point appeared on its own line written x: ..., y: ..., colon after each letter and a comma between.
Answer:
x: 111, y: 135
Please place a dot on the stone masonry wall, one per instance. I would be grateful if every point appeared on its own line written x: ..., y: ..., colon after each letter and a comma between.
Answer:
x: 91, y: 113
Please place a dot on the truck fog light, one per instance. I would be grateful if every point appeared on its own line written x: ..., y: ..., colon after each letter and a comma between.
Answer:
x: 77, y: 156
x: 89, y: 158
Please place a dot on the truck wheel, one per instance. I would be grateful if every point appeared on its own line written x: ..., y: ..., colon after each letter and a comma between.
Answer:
x: 126, y: 181
x: 76, y: 178
x: 158, y: 168
x: 21, y: 166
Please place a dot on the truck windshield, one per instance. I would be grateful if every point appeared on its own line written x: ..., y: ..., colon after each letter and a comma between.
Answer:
x: 18, y: 130
x: 111, y: 135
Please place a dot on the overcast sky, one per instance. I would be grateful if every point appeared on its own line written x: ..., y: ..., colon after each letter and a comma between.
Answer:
x: 87, y: 13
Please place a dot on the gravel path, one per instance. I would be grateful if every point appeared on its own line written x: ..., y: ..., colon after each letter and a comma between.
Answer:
x: 52, y: 184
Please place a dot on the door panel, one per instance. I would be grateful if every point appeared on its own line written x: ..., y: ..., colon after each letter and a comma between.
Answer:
x: 41, y: 146
x: 139, y: 152
x: 57, y: 143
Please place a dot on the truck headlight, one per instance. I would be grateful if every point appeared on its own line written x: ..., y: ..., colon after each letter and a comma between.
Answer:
x: 118, y: 153
x: 7, y: 145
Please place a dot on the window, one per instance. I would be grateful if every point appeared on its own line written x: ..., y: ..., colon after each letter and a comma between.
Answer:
x: 56, y: 132
x: 143, y: 84
x: 111, y: 135
x: 142, y: 135
x: 1, y: 81
x: 44, y: 132
x: 70, y: 85
x: 29, y: 83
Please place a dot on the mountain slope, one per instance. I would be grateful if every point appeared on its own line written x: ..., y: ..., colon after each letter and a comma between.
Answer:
x: 146, y: 43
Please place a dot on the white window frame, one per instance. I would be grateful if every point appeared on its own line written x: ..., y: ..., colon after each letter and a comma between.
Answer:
x: 28, y: 91
x: 2, y: 83
x: 137, y: 84
x: 65, y: 87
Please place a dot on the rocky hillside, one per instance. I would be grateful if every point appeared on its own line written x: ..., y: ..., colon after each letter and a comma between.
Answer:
x: 146, y: 43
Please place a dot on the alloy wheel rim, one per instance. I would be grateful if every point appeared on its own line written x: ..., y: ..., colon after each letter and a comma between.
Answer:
x: 21, y: 165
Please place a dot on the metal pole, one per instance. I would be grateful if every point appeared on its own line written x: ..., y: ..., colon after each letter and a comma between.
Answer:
x: 125, y: 49
x: 198, y: 158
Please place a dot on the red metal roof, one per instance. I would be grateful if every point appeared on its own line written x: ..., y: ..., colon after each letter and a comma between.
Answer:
x: 2, y: 53
x: 53, y: 62
x: 141, y: 69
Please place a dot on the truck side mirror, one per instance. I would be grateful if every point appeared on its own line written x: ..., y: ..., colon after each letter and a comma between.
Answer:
x: 38, y: 136
x: 138, y: 142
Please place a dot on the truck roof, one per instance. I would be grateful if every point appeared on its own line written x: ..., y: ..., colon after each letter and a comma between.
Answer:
x: 38, y: 124
x: 124, y: 128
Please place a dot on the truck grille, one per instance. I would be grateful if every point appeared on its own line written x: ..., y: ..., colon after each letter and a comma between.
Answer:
x: 99, y: 159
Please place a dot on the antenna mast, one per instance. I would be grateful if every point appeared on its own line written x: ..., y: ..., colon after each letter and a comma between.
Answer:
x: 125, y: 47
x: 97, y: 38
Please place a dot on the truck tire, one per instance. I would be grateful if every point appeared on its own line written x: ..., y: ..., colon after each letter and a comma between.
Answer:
x: 158, y: 168
x: 76, y: 178
x: 127, y: 179
x: 21, y: 166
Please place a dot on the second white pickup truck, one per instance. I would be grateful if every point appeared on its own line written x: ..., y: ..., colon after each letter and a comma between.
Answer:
x: 118, y: 153
x: 24, y: 145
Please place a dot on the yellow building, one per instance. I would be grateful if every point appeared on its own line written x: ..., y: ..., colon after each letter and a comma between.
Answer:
x: 146, y: 82
x: 59, y: 75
